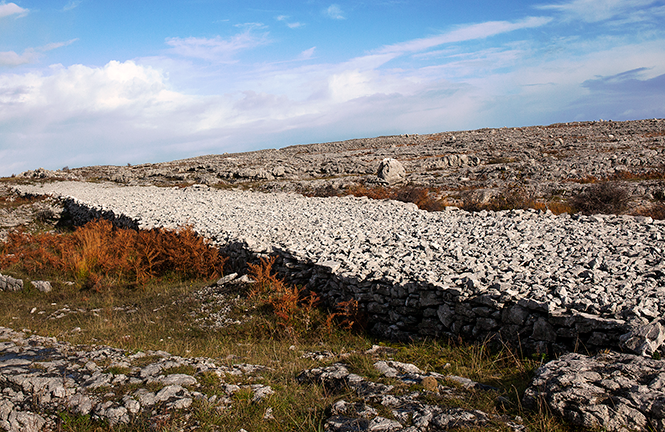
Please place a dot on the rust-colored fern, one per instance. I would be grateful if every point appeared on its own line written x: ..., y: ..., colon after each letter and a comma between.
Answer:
x: 98, y: 252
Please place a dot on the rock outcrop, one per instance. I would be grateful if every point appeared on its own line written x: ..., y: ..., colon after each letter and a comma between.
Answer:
x: 391, y: 171
x: 611, y: 391
x: 556, y: 160
x: 40, y: 376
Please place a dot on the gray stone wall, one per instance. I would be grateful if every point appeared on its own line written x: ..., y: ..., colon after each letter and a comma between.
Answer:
x: 420, y: 310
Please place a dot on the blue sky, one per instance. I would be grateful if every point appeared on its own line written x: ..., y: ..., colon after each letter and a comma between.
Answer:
x: 87, y: 82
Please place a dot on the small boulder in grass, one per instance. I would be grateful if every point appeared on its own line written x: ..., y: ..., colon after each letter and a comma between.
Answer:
x: 42, y: 286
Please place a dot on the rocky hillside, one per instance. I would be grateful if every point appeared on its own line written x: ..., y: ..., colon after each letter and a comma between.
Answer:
x: 555, y: 161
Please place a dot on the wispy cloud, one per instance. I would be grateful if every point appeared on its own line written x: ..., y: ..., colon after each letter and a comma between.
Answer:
x: 54, y: 45
x: 217, y: 49
x: 597, y: 10
x: 30, y: 55
x: 289, y: 24
x: 7, y: 9
x: 465, y: 33
x: 307, y: 54
x: 72, y: 4
x: 335, y: 12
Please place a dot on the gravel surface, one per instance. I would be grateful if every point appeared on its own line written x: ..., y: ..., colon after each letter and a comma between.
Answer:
x: 605, y: 265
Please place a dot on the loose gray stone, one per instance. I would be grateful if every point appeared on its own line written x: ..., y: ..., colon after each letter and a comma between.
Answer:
x: 178, y: 379
x: 42, y: 286
x: 644, y: 340
x: 8, y: 283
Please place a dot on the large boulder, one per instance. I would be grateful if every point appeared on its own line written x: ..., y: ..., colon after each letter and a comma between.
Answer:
x: 391, y: 170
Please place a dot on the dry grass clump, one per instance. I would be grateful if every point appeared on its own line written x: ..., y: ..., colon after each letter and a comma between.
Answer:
x: 98, y: 255
x: 293, y: 308
x: 515, y: 197
x: 653, y: 174
x: 13, y: 201
x: 654, y: 211
x: 623, y: 175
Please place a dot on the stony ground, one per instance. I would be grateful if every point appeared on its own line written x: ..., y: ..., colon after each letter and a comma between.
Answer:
x: 611, y: 391
x: 42, y: 376
x: 547, y: 161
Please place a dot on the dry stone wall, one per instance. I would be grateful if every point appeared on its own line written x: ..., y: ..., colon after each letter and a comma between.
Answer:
x: 536, y: 281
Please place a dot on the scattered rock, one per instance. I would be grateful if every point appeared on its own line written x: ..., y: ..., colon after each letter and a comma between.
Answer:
x: 410, y: 410
x: 8, y: 283
x: 40, y: 376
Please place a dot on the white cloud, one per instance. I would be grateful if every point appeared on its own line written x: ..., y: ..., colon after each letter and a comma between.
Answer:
x: 54, y: 45
x: 307, y: 54
x: 335, y: 12
x: 83, y: 90
x: 216, y: 49
x: 597, y: 10
x: 11, y: 58
x: 465, y: 33
x: 7, y: 9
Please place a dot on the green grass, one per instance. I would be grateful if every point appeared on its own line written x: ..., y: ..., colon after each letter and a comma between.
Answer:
x: 161, y: 321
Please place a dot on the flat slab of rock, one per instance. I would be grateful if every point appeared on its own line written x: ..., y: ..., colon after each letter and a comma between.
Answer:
x: 611, y: 391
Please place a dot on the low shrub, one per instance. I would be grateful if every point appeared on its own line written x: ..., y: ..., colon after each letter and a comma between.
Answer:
x: 654, y: 211
x: 606, y: 198
x: 98, y: 254
x: 297, y: 312
x: 292, y: 307
x: 514, y: 197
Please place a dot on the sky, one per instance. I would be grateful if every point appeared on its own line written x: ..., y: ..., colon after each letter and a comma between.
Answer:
x: 95, y: 82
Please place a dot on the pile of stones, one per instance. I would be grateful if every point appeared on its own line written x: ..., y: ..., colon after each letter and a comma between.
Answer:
x: 550, y: 282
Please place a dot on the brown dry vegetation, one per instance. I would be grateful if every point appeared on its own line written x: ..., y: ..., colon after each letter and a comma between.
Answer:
x: 296, y: 312
x: 98, y: 255
x: 424, y: 198
x: 601, y: 196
